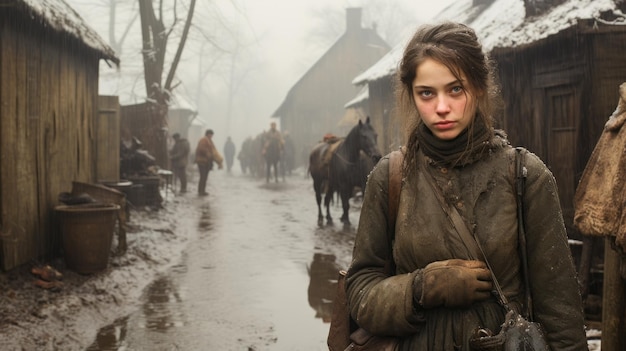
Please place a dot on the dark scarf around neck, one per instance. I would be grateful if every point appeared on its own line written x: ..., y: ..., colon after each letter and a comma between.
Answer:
x: 466, y: 148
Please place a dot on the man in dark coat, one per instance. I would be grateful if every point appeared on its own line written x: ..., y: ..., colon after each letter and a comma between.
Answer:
x: 229, y: 153
x: 179, y: 157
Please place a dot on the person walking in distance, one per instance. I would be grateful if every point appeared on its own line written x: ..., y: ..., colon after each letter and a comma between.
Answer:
x: 206, y: 154
x: 179, y: 157
x: 229, y: 153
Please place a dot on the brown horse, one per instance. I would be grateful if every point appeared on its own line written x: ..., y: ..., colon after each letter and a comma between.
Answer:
x: 338, y: 166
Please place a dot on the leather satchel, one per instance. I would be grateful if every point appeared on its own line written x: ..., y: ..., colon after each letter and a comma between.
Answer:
x: 344, y: 333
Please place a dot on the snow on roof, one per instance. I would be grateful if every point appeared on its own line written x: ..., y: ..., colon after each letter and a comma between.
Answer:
x: 363, y: 95
x: 540, y: 27
x: 61, y: 17
x: 384, y: 67
x: 496, y: 21
x: 502, y: 23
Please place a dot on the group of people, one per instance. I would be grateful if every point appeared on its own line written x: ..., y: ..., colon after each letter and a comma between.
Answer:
x: 255, y: 152
x: 206, y: 154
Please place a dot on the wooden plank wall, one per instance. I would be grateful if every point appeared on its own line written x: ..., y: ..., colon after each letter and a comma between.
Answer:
x: 48, y: 102
x: 384, y: 120
x: 586, y: 67
x: 108, y: 140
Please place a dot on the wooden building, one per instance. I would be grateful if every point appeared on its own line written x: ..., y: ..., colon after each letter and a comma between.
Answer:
x: 314, y: 106
x: 49, y: 67
x: 379, y: 101
x: 559, y: 91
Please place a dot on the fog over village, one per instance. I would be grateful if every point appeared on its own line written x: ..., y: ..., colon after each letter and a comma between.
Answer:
x: 211, y: 157
x: 242, y: 57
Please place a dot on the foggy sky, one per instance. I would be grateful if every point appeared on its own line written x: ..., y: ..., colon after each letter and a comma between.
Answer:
x: 277, y: 45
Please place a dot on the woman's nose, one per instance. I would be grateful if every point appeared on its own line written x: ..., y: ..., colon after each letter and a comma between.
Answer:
x: 442, y: 105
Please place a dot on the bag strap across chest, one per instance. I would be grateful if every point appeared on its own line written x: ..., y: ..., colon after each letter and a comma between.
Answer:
x: 395, y: 185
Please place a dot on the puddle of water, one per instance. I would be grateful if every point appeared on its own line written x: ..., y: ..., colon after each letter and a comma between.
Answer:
x: 160, y: 312
x: 111, y: 337
x: 292, y: 300
x: 260, y: 276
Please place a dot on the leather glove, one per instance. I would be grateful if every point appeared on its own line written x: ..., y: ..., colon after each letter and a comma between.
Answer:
x: 455, y: 283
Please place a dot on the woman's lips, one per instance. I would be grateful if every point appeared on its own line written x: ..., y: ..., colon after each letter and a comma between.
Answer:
x: 444, y: 125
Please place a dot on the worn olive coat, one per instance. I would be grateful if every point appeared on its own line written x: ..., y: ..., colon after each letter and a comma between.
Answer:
x: 483, y: 192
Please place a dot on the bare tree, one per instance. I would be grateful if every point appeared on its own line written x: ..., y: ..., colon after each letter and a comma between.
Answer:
x: 155, y: 39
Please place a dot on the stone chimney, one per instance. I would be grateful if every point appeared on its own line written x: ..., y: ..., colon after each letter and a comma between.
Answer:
x: 353, y: 19
x: 539, y: 7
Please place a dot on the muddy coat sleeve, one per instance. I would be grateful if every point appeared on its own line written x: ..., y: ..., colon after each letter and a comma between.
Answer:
x: 555, y: 292
x: 203, y: 151
x: 379, y: 303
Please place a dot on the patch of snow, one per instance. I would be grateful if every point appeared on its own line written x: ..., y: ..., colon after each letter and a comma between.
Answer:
x: 362, y: 96
x: 61, y: 17
x: 594, y: 345
x: 386, y: 66
x: 555, y: 20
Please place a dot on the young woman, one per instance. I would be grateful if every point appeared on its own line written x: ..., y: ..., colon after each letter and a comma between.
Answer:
x: 439, y: 293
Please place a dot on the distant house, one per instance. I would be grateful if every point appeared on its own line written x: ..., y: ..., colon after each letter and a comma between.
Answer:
x: 314, y: 106
x: 49, y: 67
x: 559, y: 63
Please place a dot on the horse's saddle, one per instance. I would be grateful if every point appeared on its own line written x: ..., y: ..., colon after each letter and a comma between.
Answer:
x: 328, y: 149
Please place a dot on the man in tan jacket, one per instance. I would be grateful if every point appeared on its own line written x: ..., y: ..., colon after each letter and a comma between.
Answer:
x: 206, y: 154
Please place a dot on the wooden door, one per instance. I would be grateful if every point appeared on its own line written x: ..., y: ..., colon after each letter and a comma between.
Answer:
x: 108, y: 139
x: 563, y: 114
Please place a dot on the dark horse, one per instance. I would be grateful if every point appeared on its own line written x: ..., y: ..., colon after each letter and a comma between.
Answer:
x: 339, y: 166
x: 272, y: 158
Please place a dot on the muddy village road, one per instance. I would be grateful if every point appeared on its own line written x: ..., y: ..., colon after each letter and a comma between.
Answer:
x: 257, y: 274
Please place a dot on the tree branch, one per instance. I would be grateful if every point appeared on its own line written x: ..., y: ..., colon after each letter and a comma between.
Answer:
x: 181, y: 45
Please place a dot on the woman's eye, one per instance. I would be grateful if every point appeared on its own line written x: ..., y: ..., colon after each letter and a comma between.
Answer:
x: 456, y: 90
x: 425, y: 93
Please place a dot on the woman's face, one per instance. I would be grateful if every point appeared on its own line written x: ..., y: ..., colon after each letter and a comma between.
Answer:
x: 445, y: 107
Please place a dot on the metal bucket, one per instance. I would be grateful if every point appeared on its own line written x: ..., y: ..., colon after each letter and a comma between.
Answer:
x: 87, y: 235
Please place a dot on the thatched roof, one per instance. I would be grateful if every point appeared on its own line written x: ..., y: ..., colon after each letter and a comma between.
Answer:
x: 60, y: 17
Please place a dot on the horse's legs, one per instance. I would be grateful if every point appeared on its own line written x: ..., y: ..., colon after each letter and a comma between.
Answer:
x: 318, y: 197
x: 345, y: 202
x: 283, y: 167
x: 327, y: 197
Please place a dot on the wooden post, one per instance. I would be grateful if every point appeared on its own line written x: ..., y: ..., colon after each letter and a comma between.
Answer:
x: 613, y: 301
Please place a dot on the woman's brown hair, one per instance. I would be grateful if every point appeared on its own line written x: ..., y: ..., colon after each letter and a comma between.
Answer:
x: 457, y: 47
